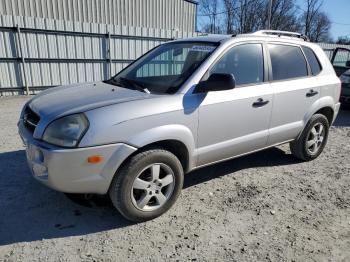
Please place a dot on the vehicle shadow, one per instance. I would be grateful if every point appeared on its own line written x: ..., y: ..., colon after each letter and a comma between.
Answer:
x: 270, y: 157
x: 30, y: 211
x: 343, y: 118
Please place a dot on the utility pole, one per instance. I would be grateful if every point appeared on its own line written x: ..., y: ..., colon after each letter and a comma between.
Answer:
x: 269, y: 15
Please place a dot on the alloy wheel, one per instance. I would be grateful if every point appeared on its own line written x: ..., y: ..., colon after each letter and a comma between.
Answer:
x: 153, y: 187
x: 315, y: 138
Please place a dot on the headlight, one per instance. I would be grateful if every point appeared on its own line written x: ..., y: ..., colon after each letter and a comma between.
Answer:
x: 66, y: 131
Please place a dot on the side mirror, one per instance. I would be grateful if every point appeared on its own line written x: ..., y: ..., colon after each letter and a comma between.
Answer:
x: 347, y: 63
x: 216, y: 82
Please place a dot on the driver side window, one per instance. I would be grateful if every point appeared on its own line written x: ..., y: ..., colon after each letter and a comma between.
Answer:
x: 245, y: 62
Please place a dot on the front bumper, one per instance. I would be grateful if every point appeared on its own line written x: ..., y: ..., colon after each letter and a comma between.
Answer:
x: 67, y: 170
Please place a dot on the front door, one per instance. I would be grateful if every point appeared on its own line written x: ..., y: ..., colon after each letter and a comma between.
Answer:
x: 236, y: 121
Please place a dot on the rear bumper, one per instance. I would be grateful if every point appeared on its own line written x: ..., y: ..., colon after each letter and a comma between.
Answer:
x: 67, y: 170
x: 336, y: 111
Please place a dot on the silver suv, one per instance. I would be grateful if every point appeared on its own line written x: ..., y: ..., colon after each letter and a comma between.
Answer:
x: 181, y: 106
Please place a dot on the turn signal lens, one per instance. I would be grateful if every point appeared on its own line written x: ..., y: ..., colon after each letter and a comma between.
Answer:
x: 95, y: 159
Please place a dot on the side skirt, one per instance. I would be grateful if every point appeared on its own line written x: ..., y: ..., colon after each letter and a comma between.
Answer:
x: 233, y: 157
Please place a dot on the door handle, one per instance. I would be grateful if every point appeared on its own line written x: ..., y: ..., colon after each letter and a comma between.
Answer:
x: 311, y: 93
x: 260, y: 102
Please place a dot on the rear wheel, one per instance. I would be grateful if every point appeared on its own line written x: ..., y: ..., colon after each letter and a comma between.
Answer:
x: 312, y: 140
x: 147, y: 185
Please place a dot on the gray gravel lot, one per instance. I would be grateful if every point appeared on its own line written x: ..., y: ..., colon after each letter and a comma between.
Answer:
x: 266, y: 206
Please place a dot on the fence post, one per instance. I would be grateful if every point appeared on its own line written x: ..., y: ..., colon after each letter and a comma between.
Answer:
x: 108, y: 55
x: 24, y: 79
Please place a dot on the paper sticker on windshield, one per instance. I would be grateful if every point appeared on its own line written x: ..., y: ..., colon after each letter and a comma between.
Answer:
x: 202, y: 48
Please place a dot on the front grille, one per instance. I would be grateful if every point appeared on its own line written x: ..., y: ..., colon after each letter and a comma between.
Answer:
x: 30, y: 119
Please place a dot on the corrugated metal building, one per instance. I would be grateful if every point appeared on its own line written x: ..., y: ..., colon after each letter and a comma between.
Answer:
x: 163, y: 14
x: 45, y: 43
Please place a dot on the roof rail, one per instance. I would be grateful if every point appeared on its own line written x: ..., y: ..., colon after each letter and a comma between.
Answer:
x: 281, y: 33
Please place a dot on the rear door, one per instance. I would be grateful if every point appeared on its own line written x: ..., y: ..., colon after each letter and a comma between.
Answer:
x: 295, y: 91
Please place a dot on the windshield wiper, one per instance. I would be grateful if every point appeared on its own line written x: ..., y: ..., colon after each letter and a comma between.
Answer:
x: 135, y: 84
x: 112, y: 81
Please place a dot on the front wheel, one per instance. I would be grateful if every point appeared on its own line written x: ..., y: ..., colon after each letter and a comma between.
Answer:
x: 147, y: 185
x: 312, y: 140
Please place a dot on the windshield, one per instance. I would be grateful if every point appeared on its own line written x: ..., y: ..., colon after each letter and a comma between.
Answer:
x: 165, y: 68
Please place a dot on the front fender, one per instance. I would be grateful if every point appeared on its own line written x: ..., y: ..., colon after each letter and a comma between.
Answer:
x: 166, y: 132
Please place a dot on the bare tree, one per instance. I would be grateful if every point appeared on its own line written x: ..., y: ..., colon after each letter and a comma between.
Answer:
x: 249, y: 15
x: 209, y: 8
x: 315, y: 23
x: 209, y: 28
x: 252, y: 15
x: 230, y: 9
x: 310, y: 15
x: 319, y: 28
x: 283, y: 15
x: 245, y: 16
x: 343, y: 40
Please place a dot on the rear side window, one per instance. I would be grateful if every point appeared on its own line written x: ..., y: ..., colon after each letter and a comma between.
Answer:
x: 287, y: 62
x: 313, y: 61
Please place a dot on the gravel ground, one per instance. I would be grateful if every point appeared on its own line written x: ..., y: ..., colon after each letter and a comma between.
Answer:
x: 265, y: 206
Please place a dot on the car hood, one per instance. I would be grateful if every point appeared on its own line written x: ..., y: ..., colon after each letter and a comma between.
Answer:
x: 77, y: 98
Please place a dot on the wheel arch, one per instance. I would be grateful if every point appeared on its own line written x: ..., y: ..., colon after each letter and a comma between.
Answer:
x: 177, y: 139
x: 324, y: 106
x: 176, y: 147
x: 327, y: 112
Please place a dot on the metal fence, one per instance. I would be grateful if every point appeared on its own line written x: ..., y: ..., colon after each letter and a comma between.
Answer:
x: 328, y: 48
x: 38, y: 53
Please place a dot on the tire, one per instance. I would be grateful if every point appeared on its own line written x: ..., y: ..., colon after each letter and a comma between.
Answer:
x: 134, y: 185
x: 302, y: 148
